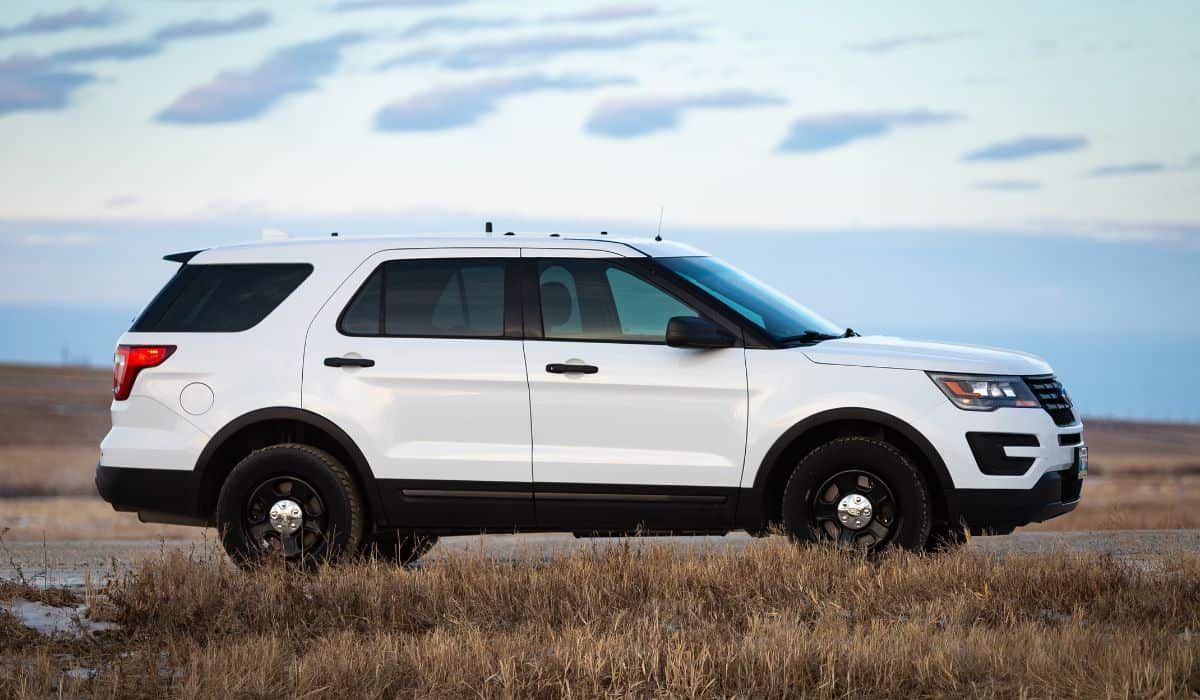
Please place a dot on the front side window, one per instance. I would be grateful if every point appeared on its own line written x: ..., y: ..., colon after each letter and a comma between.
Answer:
x: 225, y: 298
x: 598, y: 300
x: 456, y: 298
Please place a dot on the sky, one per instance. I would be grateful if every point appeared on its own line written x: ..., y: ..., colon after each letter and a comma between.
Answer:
x: 969, y: 171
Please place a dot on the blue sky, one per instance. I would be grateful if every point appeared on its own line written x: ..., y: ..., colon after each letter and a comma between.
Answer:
x: 931, y: 141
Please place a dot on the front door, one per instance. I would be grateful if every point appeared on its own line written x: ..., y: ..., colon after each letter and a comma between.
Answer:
x: 418, y: 358
x: 627, y: 431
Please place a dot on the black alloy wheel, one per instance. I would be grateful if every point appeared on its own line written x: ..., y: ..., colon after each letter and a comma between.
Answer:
x: 858, y: 492
x: 293, y: 502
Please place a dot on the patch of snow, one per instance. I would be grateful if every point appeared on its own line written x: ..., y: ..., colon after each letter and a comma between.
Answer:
x: 49, y: 620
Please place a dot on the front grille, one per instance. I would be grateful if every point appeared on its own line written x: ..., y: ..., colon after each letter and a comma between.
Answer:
x: 1049, y: 393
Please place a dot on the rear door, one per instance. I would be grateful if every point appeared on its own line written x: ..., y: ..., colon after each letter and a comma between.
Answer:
x: 418, y: 358
x: 627, y: 431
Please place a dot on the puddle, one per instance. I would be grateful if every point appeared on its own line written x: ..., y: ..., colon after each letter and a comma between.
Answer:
x: 50, y: 621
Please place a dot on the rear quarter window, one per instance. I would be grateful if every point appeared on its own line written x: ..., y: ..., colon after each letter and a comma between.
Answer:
x: 223, y: 298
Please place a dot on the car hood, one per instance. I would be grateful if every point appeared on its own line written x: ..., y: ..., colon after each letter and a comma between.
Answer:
x: 898, y: 353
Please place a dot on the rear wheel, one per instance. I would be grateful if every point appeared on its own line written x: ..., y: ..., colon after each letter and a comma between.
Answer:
x: 290, y: 501
x: 399, y: 546
x: 858, y: 492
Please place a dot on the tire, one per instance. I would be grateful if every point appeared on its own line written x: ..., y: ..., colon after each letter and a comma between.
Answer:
x: 879, y: 474
x: 944, y: 537
x: 329, y: 519
x: 400, y: 547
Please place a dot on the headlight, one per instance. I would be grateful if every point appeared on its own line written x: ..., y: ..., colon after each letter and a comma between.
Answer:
x: 986, y: 392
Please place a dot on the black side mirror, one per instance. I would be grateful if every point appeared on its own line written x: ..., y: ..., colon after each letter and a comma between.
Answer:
x: 693, y: 332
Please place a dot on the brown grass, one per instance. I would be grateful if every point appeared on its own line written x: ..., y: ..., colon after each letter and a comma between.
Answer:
x: 768, y: 621
x: 1133, y: 503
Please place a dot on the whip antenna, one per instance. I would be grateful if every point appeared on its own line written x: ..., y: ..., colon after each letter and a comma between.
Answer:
x: 658, y: 235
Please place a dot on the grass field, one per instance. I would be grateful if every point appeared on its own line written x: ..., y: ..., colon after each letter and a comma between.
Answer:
x: 1143, y: 475
x: 769, y: 620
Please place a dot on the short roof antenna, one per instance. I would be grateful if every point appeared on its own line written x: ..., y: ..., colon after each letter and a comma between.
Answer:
x: 487, y: 227
x: 658, y: 236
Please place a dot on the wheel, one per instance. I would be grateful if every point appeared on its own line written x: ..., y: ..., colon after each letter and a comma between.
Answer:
x: 401, y: 547
x: 292, y: 501
x: 859, y: 492
x: 944, y: 537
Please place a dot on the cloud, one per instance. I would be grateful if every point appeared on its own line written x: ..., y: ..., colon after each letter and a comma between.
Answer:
x: 456, y: 24
x: 461, y: 105
x: 411, y: 58
x: 30, y: 83
x: 355, y: 5
x: 823, y: 132
x: 538, y: 48
x: 76, y: 18
x: 1026, y: 147
x: 1193, y: 162
x: 1008, y: 185
x: 632, y: 117
x: 609, y: 13
x: 121, y: 201
x: 115, y: 51
x: 904, y: 41
x: 1140, y: 168
x: 213, y: 27
x: 234, y: 96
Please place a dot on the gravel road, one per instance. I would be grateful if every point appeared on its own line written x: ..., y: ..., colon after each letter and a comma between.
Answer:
x: 73, y: 563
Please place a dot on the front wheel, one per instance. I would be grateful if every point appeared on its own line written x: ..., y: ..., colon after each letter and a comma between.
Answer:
x: 858, y: 492
x: 290, y: 501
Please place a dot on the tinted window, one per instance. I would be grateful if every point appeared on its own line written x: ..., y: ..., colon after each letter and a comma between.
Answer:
x: 597, y: 300
x: 220, y: 298
x: 430, y: 298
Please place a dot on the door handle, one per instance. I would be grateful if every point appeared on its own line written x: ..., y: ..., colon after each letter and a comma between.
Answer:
x: 348, y: 362
x: 565, y: 368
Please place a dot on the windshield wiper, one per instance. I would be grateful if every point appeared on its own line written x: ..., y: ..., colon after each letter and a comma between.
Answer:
x: 815, y: 337
x: 807, y: 337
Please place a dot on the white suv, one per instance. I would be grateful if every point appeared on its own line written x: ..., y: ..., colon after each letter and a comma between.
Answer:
x: 319, y: 398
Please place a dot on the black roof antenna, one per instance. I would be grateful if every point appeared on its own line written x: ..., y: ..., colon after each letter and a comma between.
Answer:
x: 658, y: 236
x: 487, y: 227
x: 333, y: 235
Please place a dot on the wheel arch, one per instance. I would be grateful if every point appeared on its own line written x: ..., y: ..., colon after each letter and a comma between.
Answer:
x: 268, y: 426
x: 819, y: 428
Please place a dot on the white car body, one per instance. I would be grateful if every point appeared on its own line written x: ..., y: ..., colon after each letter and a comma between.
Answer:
x: 469, y: 434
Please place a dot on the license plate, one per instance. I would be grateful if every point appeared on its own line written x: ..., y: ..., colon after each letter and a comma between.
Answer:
x: 1081, y: 462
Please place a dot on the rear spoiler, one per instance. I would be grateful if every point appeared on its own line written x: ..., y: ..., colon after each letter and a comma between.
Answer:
x: 183, y: 257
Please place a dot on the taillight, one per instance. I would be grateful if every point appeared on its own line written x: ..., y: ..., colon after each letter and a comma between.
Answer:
x: 131, y: 359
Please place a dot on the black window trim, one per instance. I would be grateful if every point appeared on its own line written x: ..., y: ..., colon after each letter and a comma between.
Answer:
x: 644, y: 269
x: 170, y: 301
x: 513, y: 311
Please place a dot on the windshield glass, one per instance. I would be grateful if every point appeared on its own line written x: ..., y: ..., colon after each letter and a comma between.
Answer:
x: 777, y: 314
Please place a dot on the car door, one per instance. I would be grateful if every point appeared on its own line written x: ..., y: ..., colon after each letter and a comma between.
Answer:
x: 418, y: 358
x: 627, y: 431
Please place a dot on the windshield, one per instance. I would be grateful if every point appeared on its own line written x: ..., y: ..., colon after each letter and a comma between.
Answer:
x: 777, y: 314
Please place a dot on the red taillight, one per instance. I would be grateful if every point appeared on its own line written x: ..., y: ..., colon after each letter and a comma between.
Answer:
x: 131, y: 359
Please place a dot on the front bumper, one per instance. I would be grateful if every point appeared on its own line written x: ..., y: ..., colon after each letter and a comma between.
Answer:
x: 999, y: 511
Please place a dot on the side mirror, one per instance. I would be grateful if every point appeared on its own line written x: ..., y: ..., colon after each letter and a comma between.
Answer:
x: 693, y: 332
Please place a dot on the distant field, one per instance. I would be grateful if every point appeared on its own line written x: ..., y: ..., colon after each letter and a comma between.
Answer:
x: 1145, y: 475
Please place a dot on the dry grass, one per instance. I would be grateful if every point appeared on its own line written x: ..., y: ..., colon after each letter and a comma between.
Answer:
x: 40, y: 470
x: 768, y: 621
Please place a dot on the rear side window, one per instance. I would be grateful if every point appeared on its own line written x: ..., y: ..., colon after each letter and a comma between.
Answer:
x: 220, y: 298
x: 460, y: 298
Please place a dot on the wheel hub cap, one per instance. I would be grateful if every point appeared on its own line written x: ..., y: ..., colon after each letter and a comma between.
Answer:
x: 286, y: 516
x: 854, y: 511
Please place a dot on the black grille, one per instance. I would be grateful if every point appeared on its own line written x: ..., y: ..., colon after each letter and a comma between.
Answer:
x: 1049, y: 393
